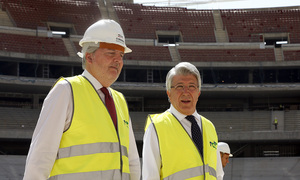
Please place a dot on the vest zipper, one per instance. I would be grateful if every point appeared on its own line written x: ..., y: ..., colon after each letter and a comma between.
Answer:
x: 202, y: 155
x: 120, y: 147
x: 121, y: 160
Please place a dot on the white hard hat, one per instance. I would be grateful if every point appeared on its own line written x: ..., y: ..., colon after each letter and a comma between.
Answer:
x: 224, y: 148
x: 107, y: 31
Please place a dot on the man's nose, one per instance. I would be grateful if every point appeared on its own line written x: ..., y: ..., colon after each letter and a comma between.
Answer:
x: 119, y: 56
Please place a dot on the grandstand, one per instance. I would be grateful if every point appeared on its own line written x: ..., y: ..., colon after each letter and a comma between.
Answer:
x: 249, y: 61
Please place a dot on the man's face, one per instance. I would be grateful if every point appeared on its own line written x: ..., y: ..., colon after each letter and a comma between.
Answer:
x: 225, y: 159
x: 105, y: 65
x: 183, y: 98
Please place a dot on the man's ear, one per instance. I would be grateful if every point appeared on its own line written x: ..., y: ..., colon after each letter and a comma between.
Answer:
x: 168, y: 93
x: 89, y: 57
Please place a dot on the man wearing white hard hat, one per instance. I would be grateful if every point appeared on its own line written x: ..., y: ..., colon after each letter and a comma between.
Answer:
x: 224, y: 150
x: 84, y: 130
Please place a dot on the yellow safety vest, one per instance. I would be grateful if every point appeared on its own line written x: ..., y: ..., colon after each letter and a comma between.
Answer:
x: 275, y: 121
x: 179, y: 155
x: 92, y: 148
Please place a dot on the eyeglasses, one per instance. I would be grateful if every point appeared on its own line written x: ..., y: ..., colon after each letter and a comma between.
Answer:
x: 182, y: 87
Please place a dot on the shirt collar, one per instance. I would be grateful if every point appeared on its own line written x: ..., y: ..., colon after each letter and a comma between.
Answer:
x: 92, y: 79
x: 180, y: 116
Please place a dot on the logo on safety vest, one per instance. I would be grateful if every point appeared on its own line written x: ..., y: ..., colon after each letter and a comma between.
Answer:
x: 213, y: 144
x: 126, y: 123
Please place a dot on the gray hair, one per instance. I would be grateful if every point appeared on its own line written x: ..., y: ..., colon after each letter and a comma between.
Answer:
x: 183, y: 68
x: 88, y: 48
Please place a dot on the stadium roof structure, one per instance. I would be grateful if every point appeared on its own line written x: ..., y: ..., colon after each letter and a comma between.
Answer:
x: 220, y: 4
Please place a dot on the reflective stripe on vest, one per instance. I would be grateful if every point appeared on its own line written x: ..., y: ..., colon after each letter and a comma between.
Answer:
x: 86, y: 149
x: 180, y: 157
x: 192, y: 172
x: 91, y: 147
x: 105, y: 175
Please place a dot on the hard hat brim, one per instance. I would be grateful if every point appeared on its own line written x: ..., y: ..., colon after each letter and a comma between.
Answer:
x: 127, y: 50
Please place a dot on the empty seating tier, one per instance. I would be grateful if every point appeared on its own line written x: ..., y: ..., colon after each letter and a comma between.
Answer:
x: 149, y: 53
x: 291, y: 55
x: 18, y: 118
x: 228, y: 55
x: 249, y: 25
x: 240, y: 121
x: 34, y: 13
x: 143, y: 22
x: 33, y: 45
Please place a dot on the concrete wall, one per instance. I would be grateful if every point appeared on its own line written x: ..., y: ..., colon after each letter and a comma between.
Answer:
x: 271, y: 168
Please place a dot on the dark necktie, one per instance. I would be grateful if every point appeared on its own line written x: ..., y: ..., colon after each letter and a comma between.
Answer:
x: 110, y: 105
x: 196, y: 133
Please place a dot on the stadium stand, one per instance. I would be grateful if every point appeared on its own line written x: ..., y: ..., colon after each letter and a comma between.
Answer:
x: 290, y: 55
x: 231, y: 121
x: 226, y: 55
x: 292, y: 120
x: 33, y: 45
x: 140, y: 21
x: 250, y: 25
x: 77, y: 46
x: 149, y: 53
x: 248, y: 79
x: 18, y: 118
x: 37, y: 13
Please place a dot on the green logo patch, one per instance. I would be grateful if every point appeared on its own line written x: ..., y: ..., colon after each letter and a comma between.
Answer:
x: 213, y: 144
x: 126, y: 123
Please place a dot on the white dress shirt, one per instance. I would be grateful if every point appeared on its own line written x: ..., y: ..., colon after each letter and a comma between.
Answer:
x: 151, y: 153
x: 54, y: 119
